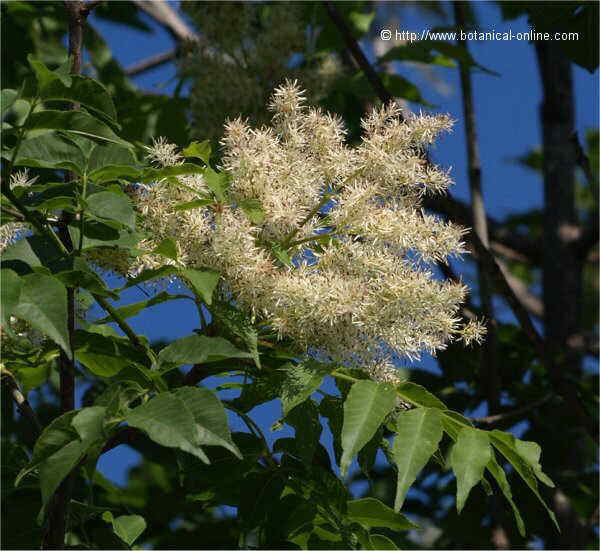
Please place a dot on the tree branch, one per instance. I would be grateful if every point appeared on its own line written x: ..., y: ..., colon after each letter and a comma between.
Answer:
x: 151, y: 62
x: 163, y: 13
x: 357, y: 54
x: 22, y: 403
x: 512, y: 414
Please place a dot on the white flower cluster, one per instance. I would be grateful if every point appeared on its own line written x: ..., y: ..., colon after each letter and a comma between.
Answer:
x: 349, y: 218
x: 13, y: 231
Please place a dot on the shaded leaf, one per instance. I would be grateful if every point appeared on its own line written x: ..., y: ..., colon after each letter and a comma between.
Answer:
x: 43, y: 304
x: 370, y: 512
x: 305, y: 420
x: 82, y: 90
x: 498, y: 473
x: 50, y: 150
x: 198, y: 349
x: 112, y: 206
x: 505, y: 444
x: 168, y: 421
x: 210, y: 417
x: 379, y: 541
x: 10, y: 292
x: 77, y: 122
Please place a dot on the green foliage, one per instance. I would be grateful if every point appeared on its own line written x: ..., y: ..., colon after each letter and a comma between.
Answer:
x: 365, y: 409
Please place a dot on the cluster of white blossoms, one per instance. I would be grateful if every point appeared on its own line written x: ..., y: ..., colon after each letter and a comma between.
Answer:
x: 359, y: 285
x: 11, y: 232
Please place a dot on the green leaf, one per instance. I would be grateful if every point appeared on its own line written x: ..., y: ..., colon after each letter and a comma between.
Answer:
x: 253, y: 210
x: 56, y: 467
x: 416, y: 394
x: 498, y: 473
x: 33, y: 377
x: 85, y: 91
x: 361, y: 21
x: 98, y: 234
x: 43, y: 303
x: 55, y: 454
x: 89, y: 423
x: 305, y: 420
x: 50, y: 150
x: 45, y: 76
x: 166, y: 248
x: 506, y: 445
x: 367, y: 456
x: 470, y: 455
x: 201, y: 150
x: 112, y: 206
x: 111, y: 161
x: 7, y: 99
x: 531, y: 452
x: 299, y: 383
x: 418, y: 433
x: 196, y: 203
x: 210, y: 417
x: 365, y: 408
x: 379, y: 541
x: 82, y: 276
x: 77, y: 122
x: 127, y: 527
x: 150, y: 175
x: 10, y: 292
x: 54, y: 436
x: 238, y: 327
x: 168, y: 421
x: 400, y: 87
x: 105, y: 356
x: 216, y: 182
x: 370, y: 513
x: 202, y: 282
x: 423, y: 51
x: 199, y: 349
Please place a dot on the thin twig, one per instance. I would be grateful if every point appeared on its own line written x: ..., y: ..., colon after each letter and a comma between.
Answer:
x: 123, y: 325
x: 501, y: 417
x: 582, y: 159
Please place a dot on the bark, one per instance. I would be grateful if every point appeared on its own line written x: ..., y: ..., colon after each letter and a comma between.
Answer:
x: 562, y: 269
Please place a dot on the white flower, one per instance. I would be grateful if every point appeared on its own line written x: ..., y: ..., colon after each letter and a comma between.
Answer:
x: 359, y: 287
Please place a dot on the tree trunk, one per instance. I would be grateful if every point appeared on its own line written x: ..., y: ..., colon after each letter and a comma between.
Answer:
x: 562, y: 270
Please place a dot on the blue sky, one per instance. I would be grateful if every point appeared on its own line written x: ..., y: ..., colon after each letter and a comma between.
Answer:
x: 507, y: 121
